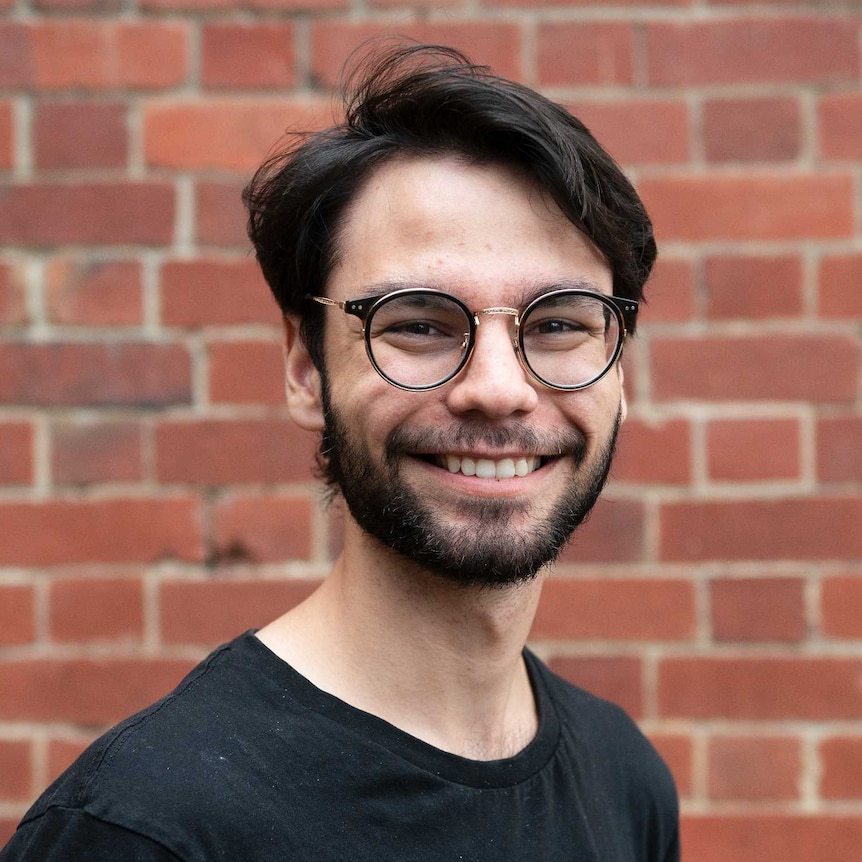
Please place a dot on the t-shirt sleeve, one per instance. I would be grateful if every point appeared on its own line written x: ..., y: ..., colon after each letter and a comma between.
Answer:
x: 67, y: 835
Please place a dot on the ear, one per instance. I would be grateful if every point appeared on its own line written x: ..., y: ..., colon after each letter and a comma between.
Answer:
x: 302, y: 380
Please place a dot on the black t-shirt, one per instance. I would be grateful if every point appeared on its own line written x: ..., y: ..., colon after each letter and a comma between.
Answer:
x: 247, y: 760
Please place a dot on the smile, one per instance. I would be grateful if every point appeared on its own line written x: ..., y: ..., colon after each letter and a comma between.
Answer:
x: 485, y: 468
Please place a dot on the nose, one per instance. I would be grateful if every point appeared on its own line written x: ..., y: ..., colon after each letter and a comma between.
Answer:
x: 494, y: 383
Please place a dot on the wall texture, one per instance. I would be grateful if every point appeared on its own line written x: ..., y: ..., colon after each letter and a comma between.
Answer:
x: 155, y: 500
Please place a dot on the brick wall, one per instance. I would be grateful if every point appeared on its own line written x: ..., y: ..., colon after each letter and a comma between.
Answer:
x: 154, y: 498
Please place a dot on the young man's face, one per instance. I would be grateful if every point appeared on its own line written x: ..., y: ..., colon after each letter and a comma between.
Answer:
x: 490, y: 238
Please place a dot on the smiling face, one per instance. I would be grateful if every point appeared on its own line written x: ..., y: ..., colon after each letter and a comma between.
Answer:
x: 483, y: 479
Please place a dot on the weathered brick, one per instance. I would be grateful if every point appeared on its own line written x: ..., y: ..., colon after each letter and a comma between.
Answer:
x: 13, y: 301
x: 93, y: 292
x: 218, y: 452
x: 748, y: 368
x: 654, y: 452
x: 209, y: 612
x: 248, y: 56
x: 585, y: 53
x: 7, y: 137
x: 120, y: 213
x: 227, y: 133
x: 16, y: 771
x: 841, y: 606
x: 750, y: 207
x: 85, y: 691
x: 839, y: 118
x: 88, y: 452
x: 676, y: 751
x: 841, y: 770
x: 16, y: 453
x: 220, y: 217
x: 17, y: 615
x: 791, y: 48
x: 802, y: 528
x: 613, y: 533
x: 262, y: 528
x: 80, y: 135
x: 754, y: 767
x: 216, y: 293
x: 246, y: 372
x: 751, y: 130
x: 96, y: 609
x: 638, y: 132
x: 751, y: 450
x: 840, y: 277
x: 132, y: 374
x: 757, y: 609
x: 670, y: 292
x: 104, y: 530
x: 615, y: 678
x: 630, y: 609
x: 740, y: 287
x: 839, y: 449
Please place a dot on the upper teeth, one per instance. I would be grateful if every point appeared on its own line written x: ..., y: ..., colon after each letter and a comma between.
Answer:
x: 485, y: 468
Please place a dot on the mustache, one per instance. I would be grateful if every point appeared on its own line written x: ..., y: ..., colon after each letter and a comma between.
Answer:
x: 469, y: 436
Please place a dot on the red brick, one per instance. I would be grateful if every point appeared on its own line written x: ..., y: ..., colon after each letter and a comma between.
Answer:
x: 263, y: 528
x: 614, y: 533
x: 839, y: 118
x: 220, y: 218
x: 248, y: 55
x: 752, y: 130
x: 788, y: 529
x: 85, y: 691
x: 754, y: 767
x: 80, y: 135
x: 62, y: 752
x: 13, y: 302
x: 218, y: 452
x: 230, y: 5
x: 630, y: 609
x: 94, y: 292
x: 96, y: 609
x: 615, y: 678
x: 496, y: 44
x: 766, y: 368
x: 228, y: 134
x: 676, y: 751
x: 772, y: 838
x: 209, y: 612
x: 841, y: 606
x: 216, y: 293
x: 760, y: 689
x: 642, y: 132
x: 750, y: 207
x: 7, y: 824
x: 96, y: 452
x: 141, y: 375
x: 757, y: 609
x: 97, y: 6
x: 103, y: 530
x: 799, y: 48
x: 17, y: 615
x: 841, y: 767
x: 840, y: 277
x: 122, y: 213
x: 580, y: 3
x: 670, y: 292
x: 753, y: 287
x: 839, y: 449
x: 585, y: 53
x: 15, y: 770
x: 93, y: 55
x: 654, y: 452
x: 753, y: 450
x: 7, y: 137
x: 16, y: 453
x: 250, y: 372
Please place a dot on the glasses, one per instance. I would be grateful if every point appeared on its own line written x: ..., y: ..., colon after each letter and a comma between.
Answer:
x: 419, y: 338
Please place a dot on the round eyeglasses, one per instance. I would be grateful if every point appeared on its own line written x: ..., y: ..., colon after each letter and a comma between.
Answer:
x: 418, y: 338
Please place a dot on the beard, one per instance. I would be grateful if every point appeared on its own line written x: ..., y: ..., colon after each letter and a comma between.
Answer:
x: 484, y: 549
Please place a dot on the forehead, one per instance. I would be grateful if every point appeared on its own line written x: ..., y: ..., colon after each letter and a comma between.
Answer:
x: 483, y: 232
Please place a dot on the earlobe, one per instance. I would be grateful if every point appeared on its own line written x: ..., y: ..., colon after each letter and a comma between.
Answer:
x: 302, y: 380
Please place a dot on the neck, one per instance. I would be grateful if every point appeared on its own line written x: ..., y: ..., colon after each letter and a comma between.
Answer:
x: 440, y: 661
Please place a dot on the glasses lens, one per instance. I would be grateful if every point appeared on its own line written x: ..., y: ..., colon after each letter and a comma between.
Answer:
x: 569, y: 339
x: 418, y: 339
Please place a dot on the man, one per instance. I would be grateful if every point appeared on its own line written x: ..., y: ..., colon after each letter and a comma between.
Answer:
x: 458, y: 266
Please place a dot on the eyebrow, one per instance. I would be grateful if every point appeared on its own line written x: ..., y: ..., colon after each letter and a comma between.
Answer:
x: 527, y: 295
